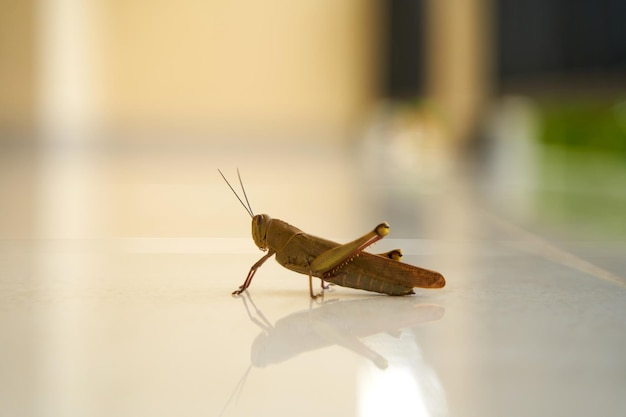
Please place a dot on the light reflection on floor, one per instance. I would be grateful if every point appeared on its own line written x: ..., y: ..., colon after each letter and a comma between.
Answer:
x: 116, y: 267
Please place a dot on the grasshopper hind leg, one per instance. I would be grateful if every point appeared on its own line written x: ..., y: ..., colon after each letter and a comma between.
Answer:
x: 342, y: 254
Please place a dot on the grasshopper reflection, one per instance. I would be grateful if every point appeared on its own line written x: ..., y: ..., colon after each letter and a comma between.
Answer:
x: 342, y: 323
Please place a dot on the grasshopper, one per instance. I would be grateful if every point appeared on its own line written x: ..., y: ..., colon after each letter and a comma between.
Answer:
x: 346, y: 264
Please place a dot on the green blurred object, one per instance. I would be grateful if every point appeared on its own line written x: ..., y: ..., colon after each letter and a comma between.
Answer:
x: 582, y: 193
x: 589, y: 124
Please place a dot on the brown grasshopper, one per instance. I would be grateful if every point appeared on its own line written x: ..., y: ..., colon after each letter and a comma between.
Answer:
x: 346, y: 265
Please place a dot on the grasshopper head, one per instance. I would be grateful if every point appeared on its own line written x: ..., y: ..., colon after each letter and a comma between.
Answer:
x: 260, y: 224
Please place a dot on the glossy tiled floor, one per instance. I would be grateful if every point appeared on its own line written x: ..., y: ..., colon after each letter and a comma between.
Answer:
x: 117, y: 263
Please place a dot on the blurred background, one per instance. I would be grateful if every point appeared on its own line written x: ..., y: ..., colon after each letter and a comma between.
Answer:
x: 491, y: 134
x: 531, y: 93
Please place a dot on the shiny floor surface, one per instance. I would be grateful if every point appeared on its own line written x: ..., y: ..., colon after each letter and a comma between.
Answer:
x: 117, y: 264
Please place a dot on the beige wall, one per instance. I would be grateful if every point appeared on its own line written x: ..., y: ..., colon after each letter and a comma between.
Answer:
x: 273, y: 66
x: 238, y: 64
x: 17, y: 63
x: 191, y: 64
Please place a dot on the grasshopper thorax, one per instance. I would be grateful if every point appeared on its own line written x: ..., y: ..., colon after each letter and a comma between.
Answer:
x: 260, y: 224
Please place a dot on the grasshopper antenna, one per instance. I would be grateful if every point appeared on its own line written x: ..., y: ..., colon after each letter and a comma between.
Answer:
x: 247, y: 208
x: 244, y: 192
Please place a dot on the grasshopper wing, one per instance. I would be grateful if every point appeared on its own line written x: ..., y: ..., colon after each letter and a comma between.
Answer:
x: 380, y: 274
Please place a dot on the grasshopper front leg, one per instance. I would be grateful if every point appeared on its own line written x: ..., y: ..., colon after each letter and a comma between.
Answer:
x: 342, y: 254
x: 256, y: 266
